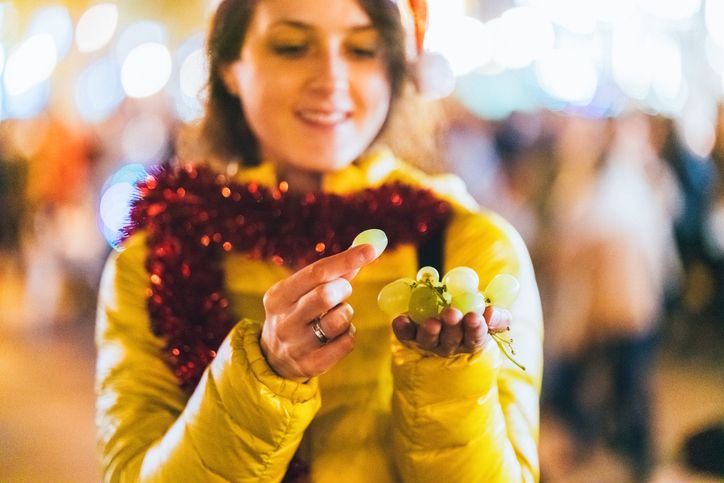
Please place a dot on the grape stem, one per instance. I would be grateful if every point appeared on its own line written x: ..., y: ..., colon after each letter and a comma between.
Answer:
x: 505, y: 345
x: 438, y: 289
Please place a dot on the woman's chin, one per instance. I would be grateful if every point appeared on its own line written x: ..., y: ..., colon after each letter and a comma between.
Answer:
x: 325, y: 163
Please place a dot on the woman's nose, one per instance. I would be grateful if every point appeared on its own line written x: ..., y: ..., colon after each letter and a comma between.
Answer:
x: 332, y: 72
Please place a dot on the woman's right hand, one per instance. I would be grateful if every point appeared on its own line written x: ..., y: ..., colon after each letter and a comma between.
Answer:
x: 288, y: 339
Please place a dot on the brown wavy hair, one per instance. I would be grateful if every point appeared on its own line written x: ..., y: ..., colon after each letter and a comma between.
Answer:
x: 224, y: 130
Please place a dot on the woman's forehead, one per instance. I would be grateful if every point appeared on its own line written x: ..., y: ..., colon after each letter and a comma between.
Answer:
x: 312, y: 14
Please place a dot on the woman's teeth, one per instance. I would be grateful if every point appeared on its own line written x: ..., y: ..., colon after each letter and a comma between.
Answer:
x: 328, y: 118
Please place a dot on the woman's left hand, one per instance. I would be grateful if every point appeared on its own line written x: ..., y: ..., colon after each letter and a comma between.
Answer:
x: 452, y: 333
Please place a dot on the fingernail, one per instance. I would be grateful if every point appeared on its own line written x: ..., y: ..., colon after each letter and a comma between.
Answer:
x: 367, y: 254
x: 352, y: 329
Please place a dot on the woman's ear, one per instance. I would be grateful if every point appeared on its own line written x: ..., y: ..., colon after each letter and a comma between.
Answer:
x: 228, y: 77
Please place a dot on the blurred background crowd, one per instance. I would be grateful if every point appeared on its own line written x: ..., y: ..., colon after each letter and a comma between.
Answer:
x: 596, y: 127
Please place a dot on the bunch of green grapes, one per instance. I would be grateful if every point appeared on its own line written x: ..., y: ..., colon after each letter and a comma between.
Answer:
x: 425, y: 296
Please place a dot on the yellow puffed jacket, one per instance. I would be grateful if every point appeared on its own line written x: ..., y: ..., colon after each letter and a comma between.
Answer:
x: 385, y: 413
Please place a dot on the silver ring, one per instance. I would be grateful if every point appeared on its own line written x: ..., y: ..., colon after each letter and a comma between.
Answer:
x: 318, y: 332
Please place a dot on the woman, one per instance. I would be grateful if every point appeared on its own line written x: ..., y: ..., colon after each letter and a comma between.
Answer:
x: 226, y: 349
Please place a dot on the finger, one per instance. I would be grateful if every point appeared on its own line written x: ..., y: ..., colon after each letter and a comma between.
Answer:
x: 451, y: 334
x: 350, y: 275
x: 428, y: 334
x: 326, y: 356
x: 334, y: 323
x: 404, y: 329
x: 497, y: 319
x: 298, y: 284
x: 474, y: 332
x: 321, y: 299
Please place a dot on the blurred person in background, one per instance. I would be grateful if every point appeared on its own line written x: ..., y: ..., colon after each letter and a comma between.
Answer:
x: 469, y: 149
x: 715, y: 226
x: 523, y: 145
x: 697, y: 180
x: 224, y: 331
x: 13, y: 179
x: 612, y: 255
x: 62, y: 246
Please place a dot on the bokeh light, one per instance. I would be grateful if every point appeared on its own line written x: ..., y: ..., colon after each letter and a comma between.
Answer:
x: 56, y: 22
x: 96, y: 27
x: 673, y: 10
x: 193, y: 73
x: 464, y: 41
x: 98, y: 90
x: 613, y: 11
x: 2, y: 61
x: 146, y: 70
x: 28, y: 103
x: 666, y: 67
x: 568, y: 75
x: 31, y: 63
x: 714, y: 19
x: 189, y: 78
x: 630, y: 60
x: 144, y: 139
x: 118, y: 193
x: 192, y: 78
x: 520, y: 36
x: 141, y: 32
x: 573, y: 15
x: 714, y: 54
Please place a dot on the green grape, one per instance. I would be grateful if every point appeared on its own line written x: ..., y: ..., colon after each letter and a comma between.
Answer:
x: 502, y: 290
x: 426, y: 274
x: 469, y: 302
x: 394, y: 298
x: 461, y: 280
x: 423, y: 303
x: 375, y: 237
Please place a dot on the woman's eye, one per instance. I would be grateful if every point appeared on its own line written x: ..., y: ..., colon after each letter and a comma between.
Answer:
x: 363, y: 52
x: 290, y: 50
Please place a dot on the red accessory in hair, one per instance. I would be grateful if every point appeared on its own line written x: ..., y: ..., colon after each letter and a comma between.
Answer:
x: 419, y: 16
x: 193, y: 215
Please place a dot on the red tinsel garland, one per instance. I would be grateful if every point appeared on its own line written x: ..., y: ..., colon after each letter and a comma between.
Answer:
x: 192, y: 215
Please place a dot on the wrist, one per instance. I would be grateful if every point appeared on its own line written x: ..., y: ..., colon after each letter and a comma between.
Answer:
x: 276, y: 364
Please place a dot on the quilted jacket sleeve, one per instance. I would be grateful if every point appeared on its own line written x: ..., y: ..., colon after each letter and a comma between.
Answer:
x: 242, y: 422
x: 474, y: 418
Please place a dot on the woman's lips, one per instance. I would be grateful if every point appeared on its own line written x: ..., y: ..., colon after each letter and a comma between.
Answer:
x: 323, y: 118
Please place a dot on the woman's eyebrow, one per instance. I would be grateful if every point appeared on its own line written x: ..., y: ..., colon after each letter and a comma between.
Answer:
x: 306, y: 26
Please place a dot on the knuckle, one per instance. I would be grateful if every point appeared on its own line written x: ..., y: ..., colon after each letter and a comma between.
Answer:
x: 326, y: 296
x: 345, y: 286
x: 317, y: 271
x: 451, y: 315
x: 428, y: 341
x: 268, y: 297
x: 291, y: 353
x: 348, y: 312
x: 347, y: 343
x: 336, y: 322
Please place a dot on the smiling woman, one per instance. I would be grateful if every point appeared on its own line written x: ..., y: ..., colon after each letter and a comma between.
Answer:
x: 228, y: 311
x: 330, y: 65
x: 286, y: 44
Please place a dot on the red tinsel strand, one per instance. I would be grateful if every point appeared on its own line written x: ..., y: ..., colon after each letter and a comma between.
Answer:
x: 193, y: 215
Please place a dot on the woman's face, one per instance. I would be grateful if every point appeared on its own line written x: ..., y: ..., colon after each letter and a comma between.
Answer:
x: 312, y: 82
